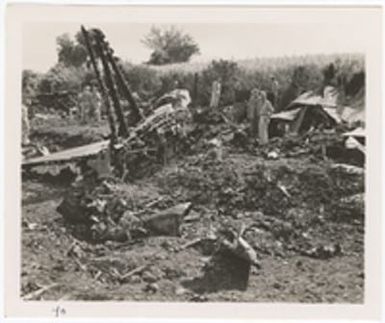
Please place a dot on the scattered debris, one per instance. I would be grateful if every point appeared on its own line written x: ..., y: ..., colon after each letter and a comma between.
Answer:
x: 283, y: 189
x: 151, y: 288
x: 168, y: 221
x: 355, y: 139
x: 273, y: 155
x: 35, y: 294
x: 349, y: 169
x: 239, y: 247
x: 133, y: 272
x: 352, y: 206
x: 325, y: 252
x: 126, y: 205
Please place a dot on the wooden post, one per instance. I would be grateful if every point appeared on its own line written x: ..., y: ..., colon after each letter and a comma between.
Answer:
x: 124, y: 86
x: 101, y: 47
x: 102, y: 87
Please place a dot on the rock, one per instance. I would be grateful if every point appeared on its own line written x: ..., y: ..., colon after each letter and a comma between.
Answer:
x: 354, y: 204
x: 361, y: 275
x: 130, y: 222
x: 30, y: 226
x: 135, y: 279
x: 277, y: 285
x: 167, y: 222
x: 172, y: 273
x: 242, y: 249
x: 349, y: 169
x: 166, y: 245
x: 192, y: 216
x: 181, y: 291
x: 101, y: 164
x: 272, y: 155
x: 148, y: 277
x: 116, y: 208
x: 75, y: 251
x: 116, y: 234
x: 256, y: 215
x: 98, y: 204
x: 157, y: 272
x: 199, y: 298
x: 160, y: 257
x: 72, y: 210
x: 325, y: 252
x: 151, y: 288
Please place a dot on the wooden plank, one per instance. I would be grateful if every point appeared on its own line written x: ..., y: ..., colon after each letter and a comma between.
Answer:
x: 69, y: 154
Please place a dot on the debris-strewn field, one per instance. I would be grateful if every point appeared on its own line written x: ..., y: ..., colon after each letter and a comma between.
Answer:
x: 230, y: 183
x: 160, y: 236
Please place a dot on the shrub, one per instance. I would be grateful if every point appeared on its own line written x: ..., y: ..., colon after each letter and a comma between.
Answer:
x: 65, y: 78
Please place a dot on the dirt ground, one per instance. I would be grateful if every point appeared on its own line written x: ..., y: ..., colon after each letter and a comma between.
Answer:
x: 284, y: 228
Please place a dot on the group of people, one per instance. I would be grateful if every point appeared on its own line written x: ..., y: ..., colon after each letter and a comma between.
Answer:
x: 260, y: 110
x: 90, y: 104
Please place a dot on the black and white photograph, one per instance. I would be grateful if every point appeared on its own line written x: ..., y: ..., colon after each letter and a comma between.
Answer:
x: 196, y: 162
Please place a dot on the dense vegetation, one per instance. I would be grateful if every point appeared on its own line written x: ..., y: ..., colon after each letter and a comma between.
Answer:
x: 294, y: 74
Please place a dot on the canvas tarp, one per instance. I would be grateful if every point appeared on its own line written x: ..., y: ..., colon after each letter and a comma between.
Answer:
x: 333, y: 113
x: 310, y: 99
x: 286, y: 115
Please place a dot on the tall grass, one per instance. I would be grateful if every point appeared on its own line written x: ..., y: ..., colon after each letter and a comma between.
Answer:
x: 267, y: 64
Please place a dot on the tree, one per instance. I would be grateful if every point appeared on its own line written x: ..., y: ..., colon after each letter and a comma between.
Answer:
x: 71, y: 53
x: 170, y: 45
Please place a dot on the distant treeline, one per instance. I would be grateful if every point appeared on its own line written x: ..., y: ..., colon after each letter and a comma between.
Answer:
x: 295, y: 74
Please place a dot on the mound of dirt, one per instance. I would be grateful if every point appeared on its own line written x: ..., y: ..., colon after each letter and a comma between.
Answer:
x: 236, y: 185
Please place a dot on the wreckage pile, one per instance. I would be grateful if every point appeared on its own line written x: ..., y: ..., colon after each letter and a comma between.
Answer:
x: 231, y: 206
x: 231, y: 209
x: 221, y: 200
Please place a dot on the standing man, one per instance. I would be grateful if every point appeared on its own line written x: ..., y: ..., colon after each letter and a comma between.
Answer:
x: 215, y: 94
x: 274, y: 91
x: 97, y: 105
x: 264, y: 114
x: 252, y: 111
x: 85, y: 100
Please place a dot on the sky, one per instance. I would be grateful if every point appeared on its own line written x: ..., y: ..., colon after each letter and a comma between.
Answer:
x: 216, y: 40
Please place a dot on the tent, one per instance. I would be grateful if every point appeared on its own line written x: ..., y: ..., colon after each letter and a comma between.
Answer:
x: 306, y: 111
